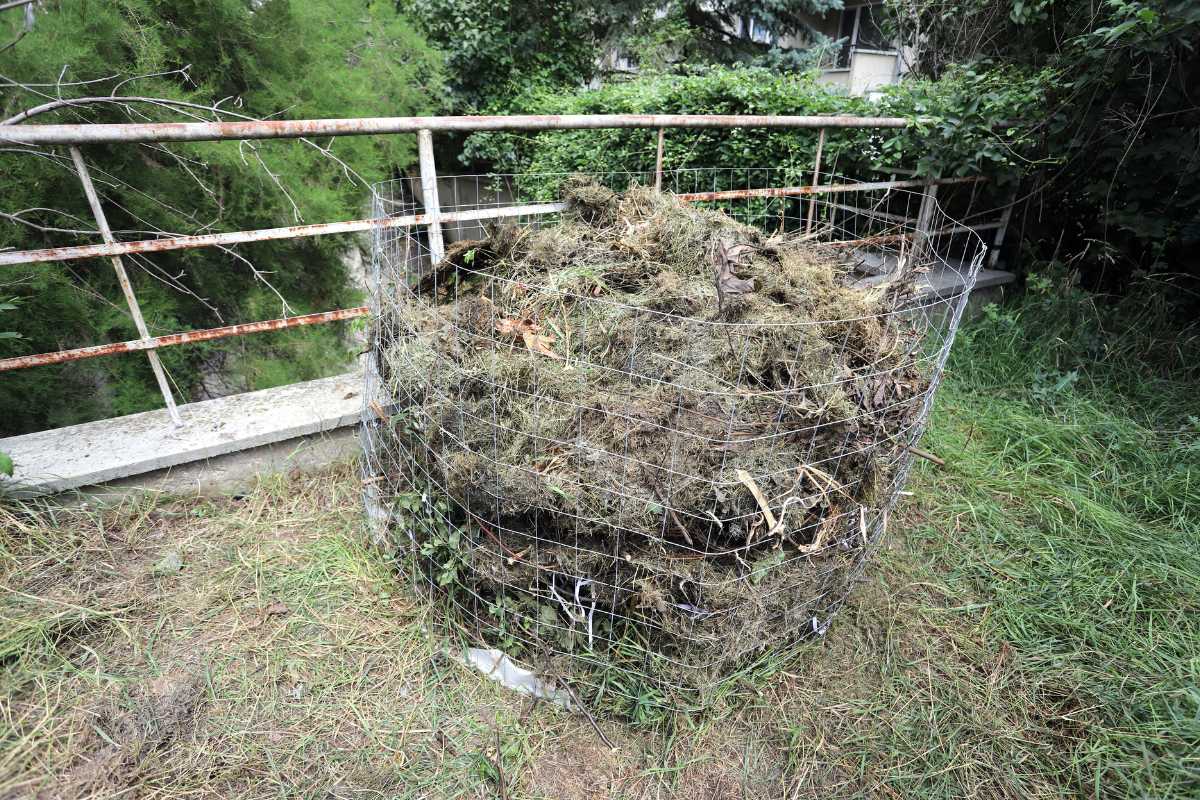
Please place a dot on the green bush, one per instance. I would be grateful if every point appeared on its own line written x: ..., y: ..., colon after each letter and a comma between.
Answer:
x: 958, y: 130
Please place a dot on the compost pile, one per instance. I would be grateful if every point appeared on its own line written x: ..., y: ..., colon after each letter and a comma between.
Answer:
x: 651, y: 415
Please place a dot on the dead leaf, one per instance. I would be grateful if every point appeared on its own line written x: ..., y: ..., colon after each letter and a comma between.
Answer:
x: 880, y: 394
x: 738, y: 254
x: 725, y: 258
x: 530, y: 333
x: 276, y: 609
x: 516, y: 327
x: 540, y: 344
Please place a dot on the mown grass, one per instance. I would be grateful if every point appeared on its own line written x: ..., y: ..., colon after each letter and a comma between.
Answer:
x: 1030, y: 629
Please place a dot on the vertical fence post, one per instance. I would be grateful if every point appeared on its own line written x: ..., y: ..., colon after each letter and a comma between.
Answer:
x: 135, y: 310
x: 662, y: 135
x: 429, y: 196
x: 998, y: 241
x: 924, y: 224
x: 812, y: 203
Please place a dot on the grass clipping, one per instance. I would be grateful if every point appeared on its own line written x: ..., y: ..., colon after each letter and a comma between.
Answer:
x: 658, y: 428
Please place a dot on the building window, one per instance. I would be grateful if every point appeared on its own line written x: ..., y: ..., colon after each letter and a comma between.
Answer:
x: 759, y: 32
x: 859, y: 30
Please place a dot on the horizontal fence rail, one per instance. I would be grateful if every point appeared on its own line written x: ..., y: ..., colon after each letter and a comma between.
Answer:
x: 291, y: 129
x: 264, y: 234
x: 830, y: 188
x: 187, y: 337
x: 409, y: 220
x: 36, y: 135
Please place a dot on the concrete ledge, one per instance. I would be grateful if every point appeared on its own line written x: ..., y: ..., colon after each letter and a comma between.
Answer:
x: 946, y: 283
x: 235, y: 472
x: 147, y: 444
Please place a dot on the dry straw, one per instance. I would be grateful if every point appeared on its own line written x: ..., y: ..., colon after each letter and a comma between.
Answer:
x: 653, y: 437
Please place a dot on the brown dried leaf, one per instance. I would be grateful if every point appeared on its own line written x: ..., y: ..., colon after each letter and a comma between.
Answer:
x: 516, y: 327
x: 880, y: 394
x: 738, y: 254
x: 530, y: 333
x: 725, y: 258
x: 276, y: 609
x: 540, y: 344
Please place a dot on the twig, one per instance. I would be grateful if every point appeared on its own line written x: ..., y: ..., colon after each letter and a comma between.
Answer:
x: 579, y: 704
x: 674, y: 517
x: 496, y: 539
x: 927, y: 456
x: 498, y: 763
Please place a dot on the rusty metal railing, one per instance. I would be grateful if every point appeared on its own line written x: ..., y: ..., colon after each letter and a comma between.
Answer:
x: 432, y: 219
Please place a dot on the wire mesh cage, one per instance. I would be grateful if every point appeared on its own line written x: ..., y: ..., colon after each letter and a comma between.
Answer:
x: 649, y: 439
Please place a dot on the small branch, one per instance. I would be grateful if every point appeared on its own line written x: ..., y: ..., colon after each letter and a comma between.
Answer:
x: 674, y: 517
x: 488, y: 531
x: 927, y: 456
x: 13, y: 43
x: 595, y: 726
x: 88, y: 101
x: 498, y: 764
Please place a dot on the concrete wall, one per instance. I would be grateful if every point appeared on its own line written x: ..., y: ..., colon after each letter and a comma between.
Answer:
x: 871, y: 69
x: 839, y: 78
x: 457, y: 193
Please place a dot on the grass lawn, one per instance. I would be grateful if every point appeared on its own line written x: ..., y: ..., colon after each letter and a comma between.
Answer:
x: 1031, y: 628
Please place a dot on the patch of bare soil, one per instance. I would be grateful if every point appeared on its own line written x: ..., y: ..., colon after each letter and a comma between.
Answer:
x: 580, y: 767
x: 129, y: 735
x: 576, y: 765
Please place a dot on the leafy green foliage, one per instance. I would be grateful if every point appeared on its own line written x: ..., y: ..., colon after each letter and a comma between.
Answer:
x: 501, y: 54
x: 1123, y: 129
x: 9, y: 304
x: 956, y: 133
x: 497, y: 51
x: 744, y: 32
x: 326, y: 58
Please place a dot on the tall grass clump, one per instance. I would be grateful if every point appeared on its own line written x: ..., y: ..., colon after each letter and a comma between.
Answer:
x: 1072, y: 506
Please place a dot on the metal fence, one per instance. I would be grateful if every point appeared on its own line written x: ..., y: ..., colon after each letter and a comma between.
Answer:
x: 662, y: 495
x: 427, y: 213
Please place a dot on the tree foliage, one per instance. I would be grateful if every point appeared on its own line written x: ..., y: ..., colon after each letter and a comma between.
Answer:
x: 500, y: 54
x: 498, y: 50
x: 1123, y: 132
x: 318, y: 58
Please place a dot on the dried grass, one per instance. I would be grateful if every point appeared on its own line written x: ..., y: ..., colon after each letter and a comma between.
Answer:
x: 618, y: 401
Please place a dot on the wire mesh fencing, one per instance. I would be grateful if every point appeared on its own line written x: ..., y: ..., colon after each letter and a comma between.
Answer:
x: 647, y: 441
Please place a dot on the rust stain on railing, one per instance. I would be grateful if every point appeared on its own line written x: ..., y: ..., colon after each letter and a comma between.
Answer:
x: 73, y: 252
x: 832, y: 188
x: 95, y: 133
x: 207, y: 334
